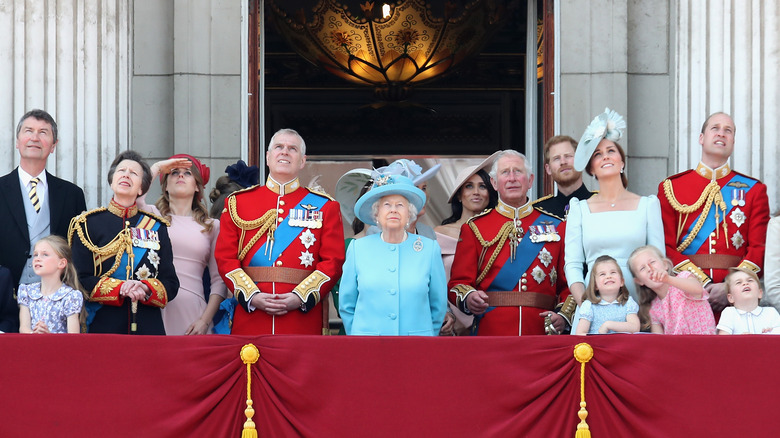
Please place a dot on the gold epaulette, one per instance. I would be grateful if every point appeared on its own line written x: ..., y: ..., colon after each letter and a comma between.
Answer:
x: 157, y: 217
x: 543, y: 198
x: 538, y: 208
x: 320, y: 191
x: 480, y: 214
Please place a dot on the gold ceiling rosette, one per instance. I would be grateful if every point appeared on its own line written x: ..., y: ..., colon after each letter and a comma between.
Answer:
x: 407, y: 47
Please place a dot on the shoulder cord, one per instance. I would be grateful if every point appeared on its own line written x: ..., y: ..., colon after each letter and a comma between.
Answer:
x: 501, y: 237
x: 122, y: 242
x: 711, y: 194
x: 266, y: 222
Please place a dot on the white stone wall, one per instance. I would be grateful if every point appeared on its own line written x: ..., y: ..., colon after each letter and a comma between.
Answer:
x: 187, y: 81
x: 615, y: 53
x: 727, y: 56
x: 70, y: 58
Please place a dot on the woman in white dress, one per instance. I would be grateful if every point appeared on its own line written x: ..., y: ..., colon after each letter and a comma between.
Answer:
x: 614, y: 221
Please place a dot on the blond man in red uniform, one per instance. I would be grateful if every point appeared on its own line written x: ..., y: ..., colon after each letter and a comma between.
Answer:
x: 508, y: 266
x: 280, y: 247
x: 714, y: 218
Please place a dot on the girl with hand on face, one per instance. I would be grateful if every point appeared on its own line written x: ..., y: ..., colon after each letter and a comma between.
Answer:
x: 193, y: 236
x: 607, y: 307
x: 53, y: 305
x: 675, y: 305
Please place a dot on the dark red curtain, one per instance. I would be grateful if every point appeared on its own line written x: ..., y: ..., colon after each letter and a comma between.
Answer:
x: 636, y: 385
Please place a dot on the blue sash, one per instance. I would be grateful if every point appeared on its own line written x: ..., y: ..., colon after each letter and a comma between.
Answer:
x: 709, y: 224
x: 509, y: 275
x: 285, y: 234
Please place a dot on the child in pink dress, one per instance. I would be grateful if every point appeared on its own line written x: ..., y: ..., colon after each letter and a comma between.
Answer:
x: 677, y: 305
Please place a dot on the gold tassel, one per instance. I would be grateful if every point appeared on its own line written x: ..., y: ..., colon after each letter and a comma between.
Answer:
x: 583, y: 352
x: 249, y: 354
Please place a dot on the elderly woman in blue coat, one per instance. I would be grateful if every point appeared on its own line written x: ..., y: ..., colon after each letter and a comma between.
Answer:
x: 393, y: 281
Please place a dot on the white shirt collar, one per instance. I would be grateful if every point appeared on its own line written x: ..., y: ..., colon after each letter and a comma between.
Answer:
x: 754, y: 312
x: 25, y: 178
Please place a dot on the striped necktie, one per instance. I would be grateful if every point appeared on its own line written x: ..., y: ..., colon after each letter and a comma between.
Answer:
x: 34, y: 194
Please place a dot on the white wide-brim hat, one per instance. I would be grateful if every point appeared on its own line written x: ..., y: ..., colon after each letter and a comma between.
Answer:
x: 609, y: 125
x: 385, y: 185
x: 348, y: 190
x: 470, y: 171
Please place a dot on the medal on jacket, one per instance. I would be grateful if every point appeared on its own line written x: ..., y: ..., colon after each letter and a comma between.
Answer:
x: 306, y: 218
x: 143, y: 238
x: 418, y: 245
x: 737, y: 197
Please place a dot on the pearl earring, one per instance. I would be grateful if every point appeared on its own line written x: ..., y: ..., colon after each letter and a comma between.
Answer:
x: 621, y: 170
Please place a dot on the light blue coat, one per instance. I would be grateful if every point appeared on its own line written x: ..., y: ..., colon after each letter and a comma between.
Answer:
x: 393, y: 289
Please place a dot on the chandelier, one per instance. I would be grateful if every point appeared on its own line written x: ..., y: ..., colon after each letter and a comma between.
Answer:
x: 405, y: 46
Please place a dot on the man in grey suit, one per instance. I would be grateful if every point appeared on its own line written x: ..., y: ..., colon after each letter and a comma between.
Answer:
x: 33, y: 204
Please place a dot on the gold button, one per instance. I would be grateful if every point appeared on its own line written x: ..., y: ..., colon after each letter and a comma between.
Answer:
x: 281, y: 202
x: 525, y: 274
x: 712, y: 234
x: 712, y: 251
x: 279, y: 219
x: 524, y: 288
x: 278, y: 263
x: 524, y: 281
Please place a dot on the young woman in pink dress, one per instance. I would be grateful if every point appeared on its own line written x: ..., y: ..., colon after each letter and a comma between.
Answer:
x: 193, y: 235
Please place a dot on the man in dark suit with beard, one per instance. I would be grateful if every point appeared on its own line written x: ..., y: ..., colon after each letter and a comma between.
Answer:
x: 33, y: 204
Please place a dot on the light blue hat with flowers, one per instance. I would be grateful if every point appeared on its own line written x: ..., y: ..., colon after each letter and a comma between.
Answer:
x: 609, y: 125
x: 387, y: 183
x: 410, y: 169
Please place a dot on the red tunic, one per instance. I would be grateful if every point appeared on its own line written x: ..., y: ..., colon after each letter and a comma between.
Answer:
x: 743, y: 235
x: 317, y: 252
x: 543, y: 276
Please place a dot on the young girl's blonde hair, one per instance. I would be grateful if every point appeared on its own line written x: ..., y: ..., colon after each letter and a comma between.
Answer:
x: 69, y: 275
x: 646, y: 295
x: 592, y: 293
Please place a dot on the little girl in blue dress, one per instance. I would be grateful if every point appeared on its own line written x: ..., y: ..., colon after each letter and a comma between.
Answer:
x: 607, y: 307
x: 54, y: 305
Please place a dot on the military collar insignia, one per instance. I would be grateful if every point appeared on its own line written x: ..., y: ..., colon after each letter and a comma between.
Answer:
x: 282, y: 189
x: 704, y: 170
x: 122, y: 211
x: 512, y: 212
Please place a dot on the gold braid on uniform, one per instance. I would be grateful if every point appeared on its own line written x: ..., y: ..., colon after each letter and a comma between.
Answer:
x: 711, y: 194
x: 501, y: 237
x: 266, y: 222
x: 123, y: 242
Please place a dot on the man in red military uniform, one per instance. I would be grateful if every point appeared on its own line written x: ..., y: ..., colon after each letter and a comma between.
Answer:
x: 714, y: 218
x: 508, y: 266
x: 280, y: 247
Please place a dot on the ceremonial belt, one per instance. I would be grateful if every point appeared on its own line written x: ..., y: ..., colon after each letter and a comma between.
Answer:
x: 709, y: 224
x: 715, y: 261
x: 280, y: 274
x: 521, y: 299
